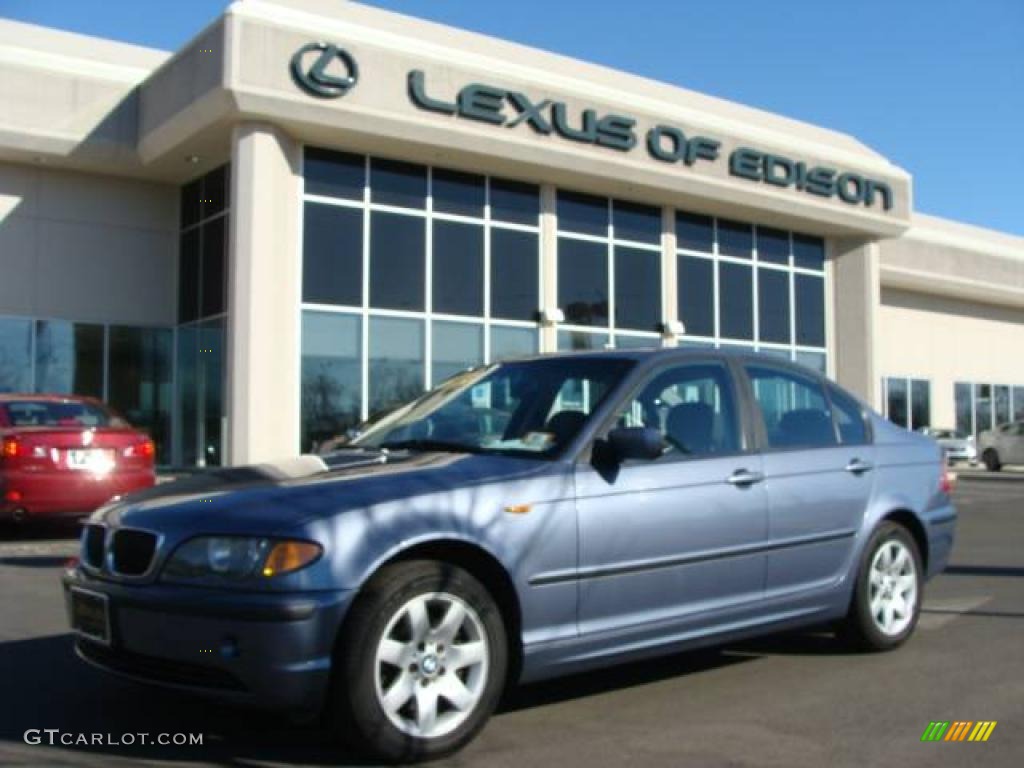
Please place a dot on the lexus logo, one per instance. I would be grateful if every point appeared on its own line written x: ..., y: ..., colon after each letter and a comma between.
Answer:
x: 315, y: 68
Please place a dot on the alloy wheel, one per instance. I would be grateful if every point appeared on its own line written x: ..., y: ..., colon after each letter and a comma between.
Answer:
x: 431, y: 665
x: 893, y: 591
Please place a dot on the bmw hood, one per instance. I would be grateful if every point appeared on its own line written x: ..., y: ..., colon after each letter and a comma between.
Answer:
x: 268, y: 498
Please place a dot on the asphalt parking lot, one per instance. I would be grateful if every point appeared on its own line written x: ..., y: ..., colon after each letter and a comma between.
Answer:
x: 795, y: 700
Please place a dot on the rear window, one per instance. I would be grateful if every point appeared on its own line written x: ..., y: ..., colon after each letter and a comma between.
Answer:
x: 34, y: 413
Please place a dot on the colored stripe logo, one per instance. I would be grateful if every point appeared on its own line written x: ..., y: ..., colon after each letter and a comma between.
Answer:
x: 958, y: 730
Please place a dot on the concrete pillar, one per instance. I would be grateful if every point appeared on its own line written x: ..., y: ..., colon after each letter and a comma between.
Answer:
x: 264, y: 292
x: 856, y: 296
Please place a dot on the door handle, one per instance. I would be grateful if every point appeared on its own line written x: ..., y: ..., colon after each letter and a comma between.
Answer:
x: 858, y: 467
x: 743, y: 478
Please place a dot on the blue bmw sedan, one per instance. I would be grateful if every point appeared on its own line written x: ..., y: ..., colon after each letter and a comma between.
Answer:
x: 524, y: 520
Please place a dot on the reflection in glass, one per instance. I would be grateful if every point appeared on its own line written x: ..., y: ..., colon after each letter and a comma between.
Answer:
x: 508, y: 342
x: 808, y: 252
x: 191, y: 194
x: 585, y: 214
x: 458, y: 268
x: 514, y: 274
x: 772, y: 245
x: 188, y: 406
x: 393, y: 182
x: 334, y: 174
x: 637, y: 288
x: 398, y: 259
x: 458, y: 193
x: 188, y: 277
x: 626, y: 341
x: 964, y: 407
x: 515, y: 202
x: 213, y: 293
x: 896, y: 401
x: 216, y: 188
x: 396, y: 362
x: 200, y: 392
x: 454, y: 348
x: 983, y: 407
x: 920, y: 404
x: 332, y: 255
x: 810, y: 310
x: 1003, y: 412
x: 581, y: 340
x: 139, y: 381
x: 1018, y: 403
x: 735, y: 238
x: 69, y: 358
x: 15, y: 354
x: 632, y: 221
x: 583, y: 281
x: 773, y: 305
x: 695, y: 294
x: 736, y: 301
x: 694, y: 232
x: 331, y: 376
x: 816, y: 361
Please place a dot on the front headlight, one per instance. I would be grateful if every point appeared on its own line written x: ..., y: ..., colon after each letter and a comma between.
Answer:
x: 234, y: 558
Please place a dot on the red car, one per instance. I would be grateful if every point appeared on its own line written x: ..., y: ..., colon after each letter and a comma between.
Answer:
x: 66, y: 455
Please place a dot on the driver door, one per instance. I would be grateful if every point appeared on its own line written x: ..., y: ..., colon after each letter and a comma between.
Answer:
x: 674, y: 541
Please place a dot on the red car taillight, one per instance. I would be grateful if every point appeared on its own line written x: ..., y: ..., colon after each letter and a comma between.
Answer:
x: 11, y: 448
x: 144, y: 450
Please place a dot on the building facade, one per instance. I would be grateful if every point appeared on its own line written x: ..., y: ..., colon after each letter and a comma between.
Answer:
x: 315, y: 210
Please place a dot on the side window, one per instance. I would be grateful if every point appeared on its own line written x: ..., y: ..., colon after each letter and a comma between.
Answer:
x: 794, y: 409
x: 849, y: 418
x: 693, y: 408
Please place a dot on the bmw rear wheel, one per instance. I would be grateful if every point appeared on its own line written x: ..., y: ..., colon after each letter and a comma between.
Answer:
x: 422, y: 663
x: 887, y: 599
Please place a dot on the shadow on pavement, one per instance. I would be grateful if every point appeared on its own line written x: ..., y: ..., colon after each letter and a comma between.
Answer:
x: 53, y: 689
x: 983, y: 570
x: 40, y: 530
x: 34, y: 561
x: 48, y: 687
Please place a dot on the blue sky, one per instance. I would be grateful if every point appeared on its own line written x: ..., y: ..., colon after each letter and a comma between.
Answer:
x: 937, y: 86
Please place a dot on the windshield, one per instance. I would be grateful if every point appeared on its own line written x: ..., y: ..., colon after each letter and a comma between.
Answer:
x: 531, y: 408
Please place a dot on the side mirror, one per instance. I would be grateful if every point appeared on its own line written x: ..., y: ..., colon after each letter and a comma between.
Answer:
x: 636, y: 443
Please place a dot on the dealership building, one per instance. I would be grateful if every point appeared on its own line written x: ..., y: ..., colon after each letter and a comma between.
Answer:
x: 316, y: 209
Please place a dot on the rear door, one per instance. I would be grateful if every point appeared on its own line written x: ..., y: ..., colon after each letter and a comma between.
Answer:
x: 818, y: 465
x: 677, y: 539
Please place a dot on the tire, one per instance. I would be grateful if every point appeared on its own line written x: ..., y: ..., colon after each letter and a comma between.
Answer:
x: 870, y: 625
x: 403, y: 643
x: 991, y: 459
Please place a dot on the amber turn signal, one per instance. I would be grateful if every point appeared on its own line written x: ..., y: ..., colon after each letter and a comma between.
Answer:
x: 288, y: 556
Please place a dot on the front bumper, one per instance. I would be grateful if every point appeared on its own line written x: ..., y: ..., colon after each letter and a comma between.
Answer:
x: 269, y: 650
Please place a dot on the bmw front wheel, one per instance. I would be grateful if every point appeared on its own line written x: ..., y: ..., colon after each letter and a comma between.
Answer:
x: 887, y: 599
x: 422, y: 664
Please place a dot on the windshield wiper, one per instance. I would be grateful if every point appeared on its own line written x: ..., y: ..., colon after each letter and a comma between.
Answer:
x: 426, y: 444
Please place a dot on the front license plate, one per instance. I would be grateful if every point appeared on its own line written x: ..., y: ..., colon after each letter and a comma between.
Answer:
x: 90, y: 615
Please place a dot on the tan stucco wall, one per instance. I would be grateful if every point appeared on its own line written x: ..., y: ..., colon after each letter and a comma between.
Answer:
x: 86, y: 247
x: 947, y: 340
